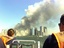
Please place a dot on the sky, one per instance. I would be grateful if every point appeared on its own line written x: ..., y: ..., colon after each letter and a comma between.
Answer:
x: 12, y: 11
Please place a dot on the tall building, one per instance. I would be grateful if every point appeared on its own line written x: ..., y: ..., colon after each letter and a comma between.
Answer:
x: 36, y: 31
x: 41, y: 30
x: 31, y: 31
x: 45, y: 29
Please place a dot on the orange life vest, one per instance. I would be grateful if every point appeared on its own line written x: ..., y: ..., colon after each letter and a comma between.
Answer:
x: 60, y: 39
x: 5, y: 39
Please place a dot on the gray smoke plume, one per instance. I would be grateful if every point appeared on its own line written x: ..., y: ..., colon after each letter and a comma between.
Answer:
x: 23, y: 25
x: 45, y: 13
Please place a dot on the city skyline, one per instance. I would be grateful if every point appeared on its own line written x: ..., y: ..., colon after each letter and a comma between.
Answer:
x: 34, y: 13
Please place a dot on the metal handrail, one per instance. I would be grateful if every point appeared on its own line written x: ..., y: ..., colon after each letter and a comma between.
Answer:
x: 24, y: 41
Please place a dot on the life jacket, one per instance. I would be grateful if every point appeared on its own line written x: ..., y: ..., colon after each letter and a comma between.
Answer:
x: 60, y: 39
x: 5, y: 39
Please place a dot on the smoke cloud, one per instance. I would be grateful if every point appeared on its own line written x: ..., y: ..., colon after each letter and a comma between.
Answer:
x: 45, y: 13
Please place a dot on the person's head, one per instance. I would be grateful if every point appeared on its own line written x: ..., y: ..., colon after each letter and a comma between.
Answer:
x: 61, y: 24
x: 10, y: 32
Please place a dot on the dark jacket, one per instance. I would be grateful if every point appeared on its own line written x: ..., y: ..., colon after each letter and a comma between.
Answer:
x: 10, y: 42
x: 50, y: 42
